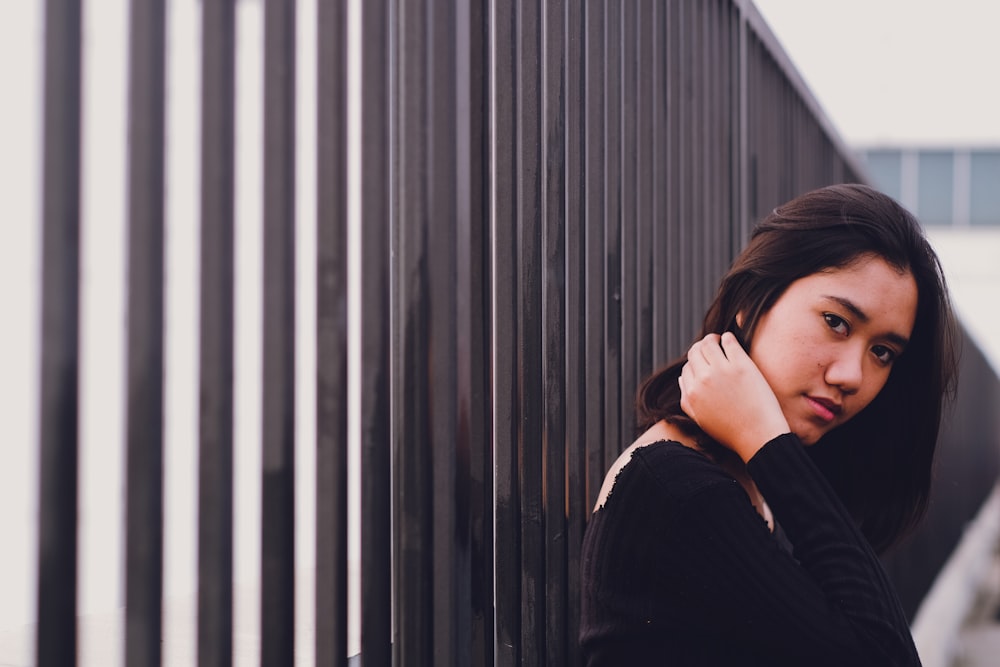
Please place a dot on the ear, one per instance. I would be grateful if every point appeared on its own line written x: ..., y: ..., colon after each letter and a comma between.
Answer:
x: 739, y: 319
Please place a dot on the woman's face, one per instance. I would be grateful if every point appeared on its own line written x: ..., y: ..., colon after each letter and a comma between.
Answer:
x: 827, y: 345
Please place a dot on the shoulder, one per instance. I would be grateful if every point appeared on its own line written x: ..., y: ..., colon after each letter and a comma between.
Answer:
x: 668, y: 471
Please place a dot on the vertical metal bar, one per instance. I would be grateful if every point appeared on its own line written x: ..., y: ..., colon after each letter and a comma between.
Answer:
x: 714, y: 186
x: 506, y: 323
x: 773, y: 171
x: 757, y: 92
x: 144, y: 484
x: 732, y: 168
x: 593, y: 215
x: 278, y: 475
x: 451, y: 565
x: 375, y: 445
x: 529, y: 333
x: 809, y: 150
x: 740, y: 142
x: 792, y: 140
x: 613, y: 359
x: 474, y: 313
x: 761, y: 120
x: 58, y: 404
x: 578, y: 507
x: 331, y: 335
x: 719, y: 192
x: 807, y: 146
x: 752, y: 129
x: 398, y: 428
x: 797, y: 141
x: 788, y: 140
x: 720, y: 237
x: 692, y: 154
x: 676, y: 146
x: 553, y: 239
x: 701, y: 152
x: 735, y: 116
x: 644, y: 216
x: 664, y: 345
x: 412, y: 455
x: 747, y: 110
x: 730, y: 117
x: 763, y: 91
x: 781, y: 124
x: 215, y: 469
x: 712, y: 194
x: 785, y: 154
x: 769, y: 174
x: 628, y: 289
x: 687, y: 182
x: 790, y: 137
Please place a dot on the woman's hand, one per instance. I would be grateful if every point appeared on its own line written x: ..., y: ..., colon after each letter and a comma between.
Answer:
x: 727, y: 396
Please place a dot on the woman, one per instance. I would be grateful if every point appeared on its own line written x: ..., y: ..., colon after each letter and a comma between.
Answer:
x: 793, y: 441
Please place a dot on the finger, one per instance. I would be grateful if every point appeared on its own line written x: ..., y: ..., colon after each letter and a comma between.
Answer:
x: 696, y: 353
x: 686, y: 371
x: 730, y: 346
x: 688, y: 379
x: 711, y: 349
x: 685, y: 402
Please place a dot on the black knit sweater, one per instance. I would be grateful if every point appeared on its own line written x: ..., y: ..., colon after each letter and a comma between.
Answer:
x: 678, y: 568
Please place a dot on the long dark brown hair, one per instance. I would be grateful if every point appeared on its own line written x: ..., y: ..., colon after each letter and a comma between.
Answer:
x: 879, y: 462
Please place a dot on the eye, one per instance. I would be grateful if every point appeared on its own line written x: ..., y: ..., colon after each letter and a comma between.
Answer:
x: 884, y: 354
x: 837, y: 323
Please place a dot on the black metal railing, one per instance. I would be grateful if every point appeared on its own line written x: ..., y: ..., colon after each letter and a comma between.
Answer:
x: 548, y: 194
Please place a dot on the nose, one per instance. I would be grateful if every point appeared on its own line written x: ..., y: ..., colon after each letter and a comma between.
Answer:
x: 845, y: 371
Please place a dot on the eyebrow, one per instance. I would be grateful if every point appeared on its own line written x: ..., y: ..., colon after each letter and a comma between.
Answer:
x: 899, y: 340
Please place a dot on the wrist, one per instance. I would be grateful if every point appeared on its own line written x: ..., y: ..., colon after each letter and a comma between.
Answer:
x: 757, y: 438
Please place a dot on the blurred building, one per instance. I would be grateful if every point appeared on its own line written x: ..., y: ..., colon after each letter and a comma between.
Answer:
x: 958, y: 186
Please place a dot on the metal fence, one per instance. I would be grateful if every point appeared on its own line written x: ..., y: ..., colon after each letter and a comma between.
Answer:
x: 549, y: 192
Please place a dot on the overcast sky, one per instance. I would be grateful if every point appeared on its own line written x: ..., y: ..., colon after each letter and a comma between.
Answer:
x: 897, y: 71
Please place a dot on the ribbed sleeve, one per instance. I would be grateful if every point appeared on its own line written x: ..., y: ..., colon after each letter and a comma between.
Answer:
x: 680, y: 569
x: 834, y: 554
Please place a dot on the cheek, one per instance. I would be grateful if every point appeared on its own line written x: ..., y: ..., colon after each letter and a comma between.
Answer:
x: 787, y: 359
x: 784, y: 370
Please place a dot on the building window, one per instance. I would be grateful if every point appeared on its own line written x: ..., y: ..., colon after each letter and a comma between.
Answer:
x: 984, y: 186
x: 936, y: 178
x: 885, y: 170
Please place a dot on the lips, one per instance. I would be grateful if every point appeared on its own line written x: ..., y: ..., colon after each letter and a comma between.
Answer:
x: 825, y: 408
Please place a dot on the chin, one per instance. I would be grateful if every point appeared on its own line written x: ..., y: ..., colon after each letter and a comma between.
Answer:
x: 808, y: 437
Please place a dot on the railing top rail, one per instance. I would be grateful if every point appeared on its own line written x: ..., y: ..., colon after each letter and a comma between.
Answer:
x: 763, y: 31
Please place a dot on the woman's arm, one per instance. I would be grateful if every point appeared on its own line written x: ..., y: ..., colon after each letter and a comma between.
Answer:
x: 727, y: 396
x: 831, y: 604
